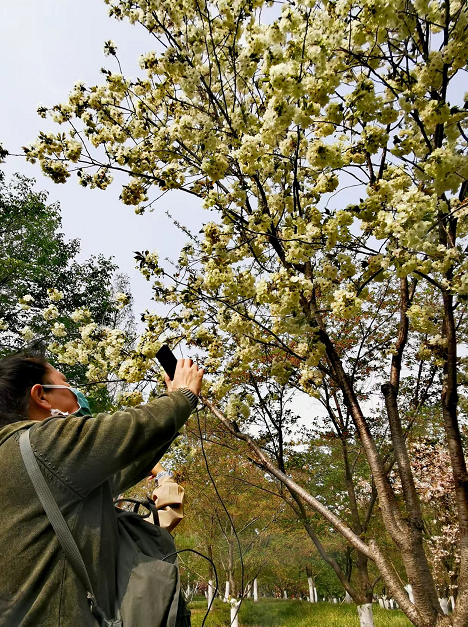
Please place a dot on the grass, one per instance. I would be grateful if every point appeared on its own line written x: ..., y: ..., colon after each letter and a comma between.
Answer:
x: 282, y: 613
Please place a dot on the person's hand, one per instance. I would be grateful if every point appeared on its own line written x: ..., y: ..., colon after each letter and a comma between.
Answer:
x: 158, y: 468
x: 187, y: 375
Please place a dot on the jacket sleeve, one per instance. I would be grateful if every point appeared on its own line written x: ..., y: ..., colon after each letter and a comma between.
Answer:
x: 137, y: 471
x: 85, y: 452
x: 169, y: 500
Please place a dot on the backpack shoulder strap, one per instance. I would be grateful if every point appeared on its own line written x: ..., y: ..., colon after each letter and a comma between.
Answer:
x: 54, y: 514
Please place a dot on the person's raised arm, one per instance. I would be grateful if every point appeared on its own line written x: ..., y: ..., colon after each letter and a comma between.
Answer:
x: 85, y: 452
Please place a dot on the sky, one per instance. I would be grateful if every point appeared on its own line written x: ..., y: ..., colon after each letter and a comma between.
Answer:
x: 45, y: 47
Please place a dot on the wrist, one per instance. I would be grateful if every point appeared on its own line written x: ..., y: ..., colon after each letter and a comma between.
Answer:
x: 163, y: 473
x: 189, y: 395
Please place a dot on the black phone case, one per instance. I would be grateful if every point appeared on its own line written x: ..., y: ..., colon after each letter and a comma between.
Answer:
x: 167, y: 359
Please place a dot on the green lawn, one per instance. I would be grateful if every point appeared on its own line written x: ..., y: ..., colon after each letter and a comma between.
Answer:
x: 281, y: 613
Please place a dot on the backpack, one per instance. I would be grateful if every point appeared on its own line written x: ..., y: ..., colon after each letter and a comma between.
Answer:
x: 148, y: 581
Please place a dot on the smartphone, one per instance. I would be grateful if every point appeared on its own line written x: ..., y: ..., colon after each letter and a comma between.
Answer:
x: 167, y: 359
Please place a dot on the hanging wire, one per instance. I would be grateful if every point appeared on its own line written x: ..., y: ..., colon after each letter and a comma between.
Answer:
x: 227, y: 513
x: 214, y: 570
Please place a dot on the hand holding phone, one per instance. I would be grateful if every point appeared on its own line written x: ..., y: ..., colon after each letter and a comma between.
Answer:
x: 180, y: 374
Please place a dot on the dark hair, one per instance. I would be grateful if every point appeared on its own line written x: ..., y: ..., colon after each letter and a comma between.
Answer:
x: 18, y: 374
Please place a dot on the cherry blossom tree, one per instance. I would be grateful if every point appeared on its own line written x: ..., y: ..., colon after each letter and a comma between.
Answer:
x: 329, y: 141
x: 432, y: 472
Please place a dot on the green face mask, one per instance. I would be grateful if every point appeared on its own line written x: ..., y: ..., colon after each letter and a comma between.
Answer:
x: 83, y: 405
x: 84, y: 408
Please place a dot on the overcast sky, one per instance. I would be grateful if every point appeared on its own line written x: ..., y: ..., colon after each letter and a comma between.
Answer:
x: 45, y: 47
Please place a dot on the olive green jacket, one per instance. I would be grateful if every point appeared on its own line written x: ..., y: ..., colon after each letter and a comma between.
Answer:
x: 86, y: 462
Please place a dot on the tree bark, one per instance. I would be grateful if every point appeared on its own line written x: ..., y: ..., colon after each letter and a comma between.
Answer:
x: 366, y: 615
x: 413, y: 554
x: 457, y: 458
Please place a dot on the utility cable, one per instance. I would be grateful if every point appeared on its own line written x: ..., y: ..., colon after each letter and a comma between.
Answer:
x: 227, y: 513
x: 214, y: 570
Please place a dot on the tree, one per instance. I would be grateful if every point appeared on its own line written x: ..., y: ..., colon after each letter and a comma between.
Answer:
x: 42, y: 285
x: 431, y: 468
x: 332, y: 473
x: 229, y: 507
x: 264, y: 121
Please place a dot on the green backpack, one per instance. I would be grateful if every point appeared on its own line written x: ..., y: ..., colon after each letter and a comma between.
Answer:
x: 148, y: 582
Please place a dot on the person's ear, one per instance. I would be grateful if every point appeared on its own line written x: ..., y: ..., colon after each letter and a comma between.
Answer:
x: 38, y: 398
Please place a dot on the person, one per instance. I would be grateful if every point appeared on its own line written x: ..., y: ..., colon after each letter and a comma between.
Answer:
x: 86, y: 462
x: 169, y: 497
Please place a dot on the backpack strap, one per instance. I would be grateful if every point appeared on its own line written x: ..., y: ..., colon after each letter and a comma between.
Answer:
x: 174, y: 609
x: 60, y: 526
x: 148, y: 503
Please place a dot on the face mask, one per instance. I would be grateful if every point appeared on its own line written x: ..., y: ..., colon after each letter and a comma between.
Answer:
x: 83, y: 406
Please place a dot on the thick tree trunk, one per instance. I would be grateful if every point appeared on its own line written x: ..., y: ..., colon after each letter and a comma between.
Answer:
x: 209, y: 596
x: 255, y: 590
x: 457, y: 458
x: 364, y: 585
x: 235, y: 613
x: 414, y: 557
x: 366, y: 615
x: 407, y: 541
x: 393, y: 520
x: 412, y: 549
